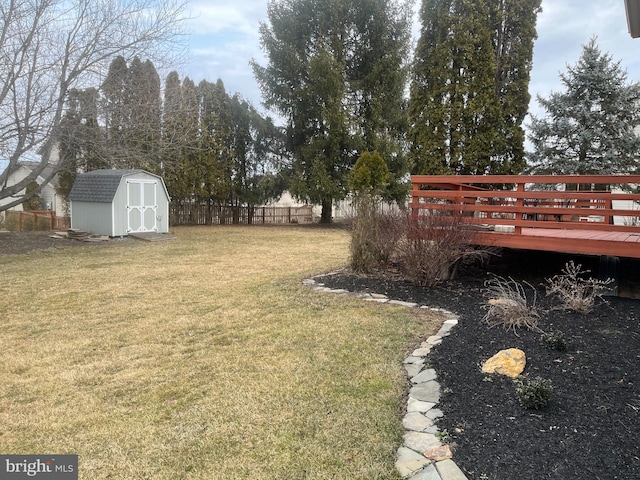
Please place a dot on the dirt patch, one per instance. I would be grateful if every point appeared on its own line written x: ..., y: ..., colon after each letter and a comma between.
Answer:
x: 17, y: 243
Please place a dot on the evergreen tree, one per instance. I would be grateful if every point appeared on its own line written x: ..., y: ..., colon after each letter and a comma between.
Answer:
x: 217, y: 149
x: 213, y: 157
x: 336, y: 73
x: 256, y: 156
x: 468, y: 93
x: 180, y: 131
x: 80, y: 139
x: 144, y: 133
x: 588, y: 129
x: 132, y: 110
x: 116, y: 106
x: 514, y: 32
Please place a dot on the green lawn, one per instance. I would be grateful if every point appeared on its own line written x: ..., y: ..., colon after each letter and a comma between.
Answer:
x: 203, y: 357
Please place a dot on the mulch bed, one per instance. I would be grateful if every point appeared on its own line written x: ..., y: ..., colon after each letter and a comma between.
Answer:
x: 590, y: 428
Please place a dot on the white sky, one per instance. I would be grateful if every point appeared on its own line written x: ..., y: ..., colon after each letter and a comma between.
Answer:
x: 225, y: 38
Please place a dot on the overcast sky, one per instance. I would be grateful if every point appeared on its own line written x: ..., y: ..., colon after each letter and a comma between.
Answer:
x: 225, y: 38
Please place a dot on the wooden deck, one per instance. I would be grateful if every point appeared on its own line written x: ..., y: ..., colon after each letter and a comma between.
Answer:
x: 588, y: 214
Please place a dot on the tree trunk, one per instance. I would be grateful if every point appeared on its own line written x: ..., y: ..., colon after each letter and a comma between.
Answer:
x: 325, y: 216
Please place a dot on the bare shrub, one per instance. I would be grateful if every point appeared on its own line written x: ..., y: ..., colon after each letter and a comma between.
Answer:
x: 508, y: 305
x: 576, y: 292
x: 375, y: 235
x: 433, y: 245
x: 392, y: 227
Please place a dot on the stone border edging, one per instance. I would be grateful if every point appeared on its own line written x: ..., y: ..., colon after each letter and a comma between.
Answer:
x: 422, y: 456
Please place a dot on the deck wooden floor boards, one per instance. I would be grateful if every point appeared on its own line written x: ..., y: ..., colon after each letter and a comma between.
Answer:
x: 590, y: 242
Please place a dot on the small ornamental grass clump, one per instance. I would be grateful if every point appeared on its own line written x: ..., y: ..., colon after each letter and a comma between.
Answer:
x: 509, y: 306
x: 576, y: 292
x: 535, y: 393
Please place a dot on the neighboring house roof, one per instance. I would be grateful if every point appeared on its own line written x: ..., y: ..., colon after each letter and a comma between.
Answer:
x: 100, y: 186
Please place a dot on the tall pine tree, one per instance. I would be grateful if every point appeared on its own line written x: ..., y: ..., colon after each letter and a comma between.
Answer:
x: 588, y: 129
x: 131, y: 104
x: 469, y: 87
x: 180, y: 131
x: 336, y: 73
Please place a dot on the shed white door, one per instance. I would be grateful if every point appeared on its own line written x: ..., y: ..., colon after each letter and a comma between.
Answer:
x: 142, y: 205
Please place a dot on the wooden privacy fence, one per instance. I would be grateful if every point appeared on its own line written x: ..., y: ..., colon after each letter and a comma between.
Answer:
x: 565, y: 213
x: 35, y: 220
x: 186, y: 213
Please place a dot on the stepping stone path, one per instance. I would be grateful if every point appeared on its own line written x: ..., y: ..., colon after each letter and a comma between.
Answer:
x: 422, y: 456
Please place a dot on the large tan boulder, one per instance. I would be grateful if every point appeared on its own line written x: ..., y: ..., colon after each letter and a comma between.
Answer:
x: 510, y: 362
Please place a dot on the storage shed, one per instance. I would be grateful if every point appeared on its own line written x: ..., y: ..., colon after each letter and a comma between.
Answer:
x: 119, y: 202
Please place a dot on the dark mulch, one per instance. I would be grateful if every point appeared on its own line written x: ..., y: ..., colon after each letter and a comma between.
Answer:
x: 590, y: 430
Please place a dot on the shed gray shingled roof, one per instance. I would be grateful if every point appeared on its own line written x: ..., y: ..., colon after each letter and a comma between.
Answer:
x: 98, y: 186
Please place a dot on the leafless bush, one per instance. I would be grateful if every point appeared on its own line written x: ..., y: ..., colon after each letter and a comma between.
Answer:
x: 509, y: 306
x: 392, y: 227
x: 576, y: 292
x: 433, y: 245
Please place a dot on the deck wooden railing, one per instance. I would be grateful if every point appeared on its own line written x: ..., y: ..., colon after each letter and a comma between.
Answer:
x: 521, y: 205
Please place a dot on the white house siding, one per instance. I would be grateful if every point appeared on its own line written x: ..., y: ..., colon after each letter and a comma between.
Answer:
x: 50, y: 199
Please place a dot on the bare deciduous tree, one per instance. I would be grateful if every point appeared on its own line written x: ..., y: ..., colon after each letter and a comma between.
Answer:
x: 48, y: 47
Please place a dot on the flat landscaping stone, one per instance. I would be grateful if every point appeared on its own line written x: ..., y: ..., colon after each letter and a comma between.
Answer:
x: 424, y: 376
x: 421, y: 352
x: 427, y: 392
x: 412, y: 369
x: 414, y: 405
x: 446, y: 328
x: 403, y: 304
x: 448, y: 470
x: 434, y: 413
x: 429, y: 473
x: 420, y: 441
x: 321, y: 288
x: 409, y: 462
x: 416, y: 422
x: 412, y: 359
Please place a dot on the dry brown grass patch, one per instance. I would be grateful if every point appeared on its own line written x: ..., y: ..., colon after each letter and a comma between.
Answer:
x: 203, y: 357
